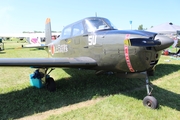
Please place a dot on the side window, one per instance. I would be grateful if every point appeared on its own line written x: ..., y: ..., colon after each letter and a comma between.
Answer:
x: 66, y: 32
x: 77, y: 29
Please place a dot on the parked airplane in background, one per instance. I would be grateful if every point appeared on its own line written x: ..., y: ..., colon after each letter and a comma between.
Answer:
x: 34, y: 39
x: 22, y: 36
x: 33, y: 42
x: 94, y: 43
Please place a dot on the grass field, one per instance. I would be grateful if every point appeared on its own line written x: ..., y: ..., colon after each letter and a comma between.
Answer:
x: 81, y: 95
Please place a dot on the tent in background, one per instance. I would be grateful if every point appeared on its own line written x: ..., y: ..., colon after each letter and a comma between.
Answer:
x: 166, y: 28
x: 169, y: 29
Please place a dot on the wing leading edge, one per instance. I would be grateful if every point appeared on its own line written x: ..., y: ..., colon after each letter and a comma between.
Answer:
x: 79, y: 62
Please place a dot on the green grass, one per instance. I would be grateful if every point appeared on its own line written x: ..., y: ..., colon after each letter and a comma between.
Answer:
x: 122, y: 98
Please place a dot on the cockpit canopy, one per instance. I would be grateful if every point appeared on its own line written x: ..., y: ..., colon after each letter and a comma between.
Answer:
x: 85, y: 26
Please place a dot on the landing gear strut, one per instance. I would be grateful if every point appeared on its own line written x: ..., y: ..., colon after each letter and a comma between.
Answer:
x: 149, y: 101
x: 49, y: 81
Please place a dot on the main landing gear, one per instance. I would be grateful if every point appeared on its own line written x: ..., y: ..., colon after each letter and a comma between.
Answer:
x: 49, y: 81
x: 149, y: 101
x: 50, y: 84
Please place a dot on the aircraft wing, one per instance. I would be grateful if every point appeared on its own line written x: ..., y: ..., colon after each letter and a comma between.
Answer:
x: 25, y: 34
x: 79, y: 62
x: 34, y: 46
x: 14, y: 35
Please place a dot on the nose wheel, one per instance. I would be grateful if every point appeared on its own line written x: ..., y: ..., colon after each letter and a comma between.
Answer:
x: 149, y: 101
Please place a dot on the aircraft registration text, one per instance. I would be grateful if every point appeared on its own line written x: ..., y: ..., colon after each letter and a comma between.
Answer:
x: 61, y: 48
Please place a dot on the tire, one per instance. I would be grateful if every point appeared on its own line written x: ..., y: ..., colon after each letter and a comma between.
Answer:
x: 150, y: 102
x: 150, y: 73
x: 50, y: 84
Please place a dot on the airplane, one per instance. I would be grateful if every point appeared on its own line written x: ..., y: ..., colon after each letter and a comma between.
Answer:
x: 33, y: 42
x: 33, y: 39
x: 37, y: 41
x: 94, y: 43
x: 23, y: 36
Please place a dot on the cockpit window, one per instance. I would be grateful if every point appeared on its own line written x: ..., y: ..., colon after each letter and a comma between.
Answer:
x: 91, y: 24
x: 109, y: 23
x: 72, y: 30
x: 66, y: 32
x: 78, y: 29
x: 98, y: 24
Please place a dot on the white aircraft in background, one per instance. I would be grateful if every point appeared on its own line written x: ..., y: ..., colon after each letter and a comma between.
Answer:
x: 25, y: 35
x: 34, y: 39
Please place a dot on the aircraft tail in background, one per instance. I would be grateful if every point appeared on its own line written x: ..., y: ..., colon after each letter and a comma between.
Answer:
x: 35, y: 42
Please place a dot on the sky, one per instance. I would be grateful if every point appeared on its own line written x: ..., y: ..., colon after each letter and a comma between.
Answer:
x: 17, y: 16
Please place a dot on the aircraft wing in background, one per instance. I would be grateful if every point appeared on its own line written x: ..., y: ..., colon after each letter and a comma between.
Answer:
x: 4, y: 35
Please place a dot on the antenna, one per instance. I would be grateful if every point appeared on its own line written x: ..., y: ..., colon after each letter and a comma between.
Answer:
x: 130, y: 24
x: 96, y: 14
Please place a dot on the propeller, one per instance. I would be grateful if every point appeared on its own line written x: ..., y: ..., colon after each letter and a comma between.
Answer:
x: 161, y: 42
x: 142, y: 42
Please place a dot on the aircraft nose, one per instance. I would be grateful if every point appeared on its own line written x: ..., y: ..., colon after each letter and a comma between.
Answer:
x: 165, y: 42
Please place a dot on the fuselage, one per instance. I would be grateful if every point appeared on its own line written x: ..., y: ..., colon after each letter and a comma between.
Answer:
x: 107, y: 46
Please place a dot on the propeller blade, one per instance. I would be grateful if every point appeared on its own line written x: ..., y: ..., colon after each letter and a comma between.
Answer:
x: 142, y: 42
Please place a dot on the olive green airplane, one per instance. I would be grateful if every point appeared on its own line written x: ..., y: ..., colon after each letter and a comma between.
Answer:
x: 94, y: 43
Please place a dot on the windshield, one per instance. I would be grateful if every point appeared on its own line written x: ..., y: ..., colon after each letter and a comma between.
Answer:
x: 94, y: 24
x: 109, y: 23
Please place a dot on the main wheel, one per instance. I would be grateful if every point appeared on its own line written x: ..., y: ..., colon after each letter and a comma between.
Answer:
x: 150, y: 73
x: 50, y: 84
x: 150, y: 102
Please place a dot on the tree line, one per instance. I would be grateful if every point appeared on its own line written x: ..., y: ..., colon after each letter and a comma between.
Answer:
x: 142, y: 28
x: 40, y: 32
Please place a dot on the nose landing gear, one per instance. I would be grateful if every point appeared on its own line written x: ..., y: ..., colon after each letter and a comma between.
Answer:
x: 149, y: 101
